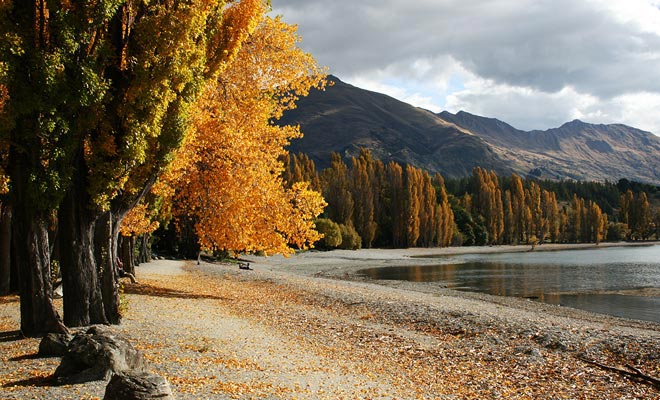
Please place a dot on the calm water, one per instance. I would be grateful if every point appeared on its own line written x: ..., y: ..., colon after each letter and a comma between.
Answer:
x: 620, y: 281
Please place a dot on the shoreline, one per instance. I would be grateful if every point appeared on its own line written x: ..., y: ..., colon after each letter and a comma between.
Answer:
x: 215, y: 331
x: 333, y: 263
x: 344, y: 265
x: 304, y: 328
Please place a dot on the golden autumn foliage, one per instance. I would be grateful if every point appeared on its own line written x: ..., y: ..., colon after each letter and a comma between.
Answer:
x: 171, y: 52
x: 487, y: 202
x: 229, y: 181
x: 386, y: 205
x: 138, y: 221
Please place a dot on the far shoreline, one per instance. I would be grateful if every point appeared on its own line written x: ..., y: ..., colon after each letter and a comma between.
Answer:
x: 346, y: 265
x: 341, y: 263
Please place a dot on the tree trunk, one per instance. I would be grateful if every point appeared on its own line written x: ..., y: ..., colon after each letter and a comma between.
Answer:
x: 127, y: 253
x: 106, y: 257
x: 83, y: 302
x: 134, y: 260
x: 144, y: 248
x: 32, y: 257
x: 30, y: 254
x: 5, y: 248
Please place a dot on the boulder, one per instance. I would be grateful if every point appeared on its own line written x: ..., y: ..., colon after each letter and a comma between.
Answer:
x: 133, y: 385
x: 54, y: 344
x: 96, y: 355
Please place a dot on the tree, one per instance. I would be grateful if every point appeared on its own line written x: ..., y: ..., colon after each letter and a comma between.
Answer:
x: 642, y: 224
x: 538, y: 225
x: 412, y: 180
x: 233, y: 186
x: 444, y: 215
x: 597, y: 223
x: 301, y: 169
x: 99, y: 97
x: 518, y: 209
x: 576, y: 217
x: 138, y: 222
x: 551, y: 215
x: 397, y: 203
x: 334, y: 181
x: 362, y: 188
x: 487, y: 202
x: 5, y: 207
x: 428, y: 227
x: 636, y: 212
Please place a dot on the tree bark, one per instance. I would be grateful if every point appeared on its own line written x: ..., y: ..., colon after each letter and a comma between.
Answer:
x: 127, y: 253
x: 30, y: 254
x: 83, y: 302
x: 145, y: 249
x: 30, y: 246
x: 106, y: 256
x: 5, y: 248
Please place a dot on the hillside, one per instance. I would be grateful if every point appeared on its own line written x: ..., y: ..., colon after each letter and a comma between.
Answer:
x: 344, y: 118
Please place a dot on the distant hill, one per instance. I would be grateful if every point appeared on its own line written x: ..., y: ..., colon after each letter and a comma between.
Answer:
x: 344, y: 118
x: 575, y: 150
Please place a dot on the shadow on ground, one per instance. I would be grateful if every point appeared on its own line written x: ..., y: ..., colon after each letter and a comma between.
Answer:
x: 11, y: 336
x: 151, y: 290
x: 35, y: 381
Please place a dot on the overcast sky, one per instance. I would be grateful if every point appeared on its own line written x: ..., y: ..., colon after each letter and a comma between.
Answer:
x: 534, y: 64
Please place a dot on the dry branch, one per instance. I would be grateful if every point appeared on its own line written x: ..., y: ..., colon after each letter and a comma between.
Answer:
x: 631, y: 372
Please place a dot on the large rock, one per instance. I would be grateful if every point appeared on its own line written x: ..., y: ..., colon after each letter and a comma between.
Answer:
x: 54, y: 345
x: 96, y: 355
x: 137, y: 386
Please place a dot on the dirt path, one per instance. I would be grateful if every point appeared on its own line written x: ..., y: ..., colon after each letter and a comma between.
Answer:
x: 217, y: 332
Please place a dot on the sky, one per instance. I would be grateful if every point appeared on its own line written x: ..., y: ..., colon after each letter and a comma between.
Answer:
x: 534, y: 64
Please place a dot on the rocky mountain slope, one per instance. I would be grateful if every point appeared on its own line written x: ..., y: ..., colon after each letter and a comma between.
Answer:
x: 344, y: 118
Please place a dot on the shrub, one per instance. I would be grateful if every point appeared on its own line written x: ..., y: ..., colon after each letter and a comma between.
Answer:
x: 332, y: 237
x: 350, y: 239
x: 617, y: 231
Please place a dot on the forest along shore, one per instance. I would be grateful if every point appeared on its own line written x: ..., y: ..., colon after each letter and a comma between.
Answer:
x: 275, y: 332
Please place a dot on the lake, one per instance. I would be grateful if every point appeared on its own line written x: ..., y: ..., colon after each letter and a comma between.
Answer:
x: 619, y: 281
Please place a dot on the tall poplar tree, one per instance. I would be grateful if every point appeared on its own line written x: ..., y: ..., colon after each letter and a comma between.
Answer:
x: 362, y: 180
x: 518, y: 208
x: 99, y: 97
x: 445, y: 216
x: 413, y: 188
x: 427, y: 213
x: 336, y: 191
x: 397, y: 203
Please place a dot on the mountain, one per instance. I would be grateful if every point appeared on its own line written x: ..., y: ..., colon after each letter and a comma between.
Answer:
x: 576, y: 150
x: 344, y: 118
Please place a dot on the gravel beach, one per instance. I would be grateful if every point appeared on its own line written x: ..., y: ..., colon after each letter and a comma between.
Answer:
x: 306, y: 327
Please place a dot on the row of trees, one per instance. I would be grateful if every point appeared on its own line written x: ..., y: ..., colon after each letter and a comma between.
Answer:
x: 117, y: 115
x: 391, y: 205
x: 635, y: 213
x: 525, y: 213
x: 386, y: 204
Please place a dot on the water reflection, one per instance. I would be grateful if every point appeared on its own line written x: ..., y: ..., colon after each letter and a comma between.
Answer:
x: 606, y: 281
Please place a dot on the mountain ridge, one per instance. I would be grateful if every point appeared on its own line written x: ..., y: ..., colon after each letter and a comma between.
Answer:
x: 344, y: 118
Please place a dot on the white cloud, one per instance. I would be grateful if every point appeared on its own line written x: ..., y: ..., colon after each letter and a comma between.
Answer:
x: 528, y: 63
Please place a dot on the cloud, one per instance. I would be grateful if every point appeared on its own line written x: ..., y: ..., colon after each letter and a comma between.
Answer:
x: 589, y: 54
